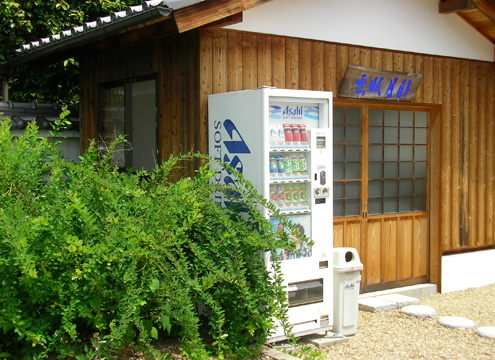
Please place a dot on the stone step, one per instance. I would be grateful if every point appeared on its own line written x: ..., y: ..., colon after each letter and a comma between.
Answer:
x: 456, y: 322
x: 400, y: 300
x: 384, y: 303
x: 328, y: 340
x: 421, y: 311
x: 416, y: 291
x: 486, y: 331
x: 376, y: 305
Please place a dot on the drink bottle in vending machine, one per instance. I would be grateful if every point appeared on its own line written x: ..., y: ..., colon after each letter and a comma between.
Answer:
x: 281, y: 141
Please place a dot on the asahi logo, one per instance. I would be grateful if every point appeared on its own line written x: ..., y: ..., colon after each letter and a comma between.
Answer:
x: 229, y: 146
x: 289, y: 111
x: 294, y: 112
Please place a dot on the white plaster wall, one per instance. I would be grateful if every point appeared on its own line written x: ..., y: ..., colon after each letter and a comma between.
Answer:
x: 69, y: 145
x: 406, y: 25
x: 468, y: 270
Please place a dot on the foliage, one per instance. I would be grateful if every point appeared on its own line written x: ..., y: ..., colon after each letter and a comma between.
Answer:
x: 94, y: 261
x: 23, y: 21
x: 304, y: 352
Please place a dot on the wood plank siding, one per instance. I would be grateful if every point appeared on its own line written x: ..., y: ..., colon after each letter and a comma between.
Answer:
x: 458, y: 94
x: 173, y: 62
x: 460, y: 97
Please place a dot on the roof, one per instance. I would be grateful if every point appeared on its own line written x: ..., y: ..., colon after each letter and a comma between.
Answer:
x: 102, y: 27
x: 480, y: 14
x: 183, y: 15
x: 189, y: 14
x: 21, y: 114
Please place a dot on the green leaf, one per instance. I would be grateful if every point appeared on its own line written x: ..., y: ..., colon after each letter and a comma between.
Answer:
x: 155, y: 285
x: 166, y: 324
x: 115, y: 253
x: 154, y: 333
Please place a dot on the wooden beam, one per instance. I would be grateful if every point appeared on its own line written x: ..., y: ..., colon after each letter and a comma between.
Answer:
x: 453, y: 6
x: 207, y: 12
x: 486, y: 7
x: 230, y: 20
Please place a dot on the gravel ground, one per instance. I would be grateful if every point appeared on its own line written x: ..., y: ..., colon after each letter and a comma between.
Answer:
x: 393, y: 335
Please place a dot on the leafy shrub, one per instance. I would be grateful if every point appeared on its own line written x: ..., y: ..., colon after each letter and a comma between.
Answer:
x: 93, y: 260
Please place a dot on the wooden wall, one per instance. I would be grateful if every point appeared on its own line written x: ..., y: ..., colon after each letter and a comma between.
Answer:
x: 173, y: 60
x: 109, y: 66
x: 459, y: 92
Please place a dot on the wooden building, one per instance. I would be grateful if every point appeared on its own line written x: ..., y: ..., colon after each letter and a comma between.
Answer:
x: 414, y: 180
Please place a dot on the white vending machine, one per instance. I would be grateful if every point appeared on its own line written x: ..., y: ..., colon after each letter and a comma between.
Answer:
x: 281, y: 141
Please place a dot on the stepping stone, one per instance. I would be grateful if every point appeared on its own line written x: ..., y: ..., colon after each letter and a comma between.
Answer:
x: 400, y: 300
x: 486, y: 331
x: 456, y: 322
x: 275, y: 354
x: 326, y: 341
x: 376, y: 305
x: 421, y: 311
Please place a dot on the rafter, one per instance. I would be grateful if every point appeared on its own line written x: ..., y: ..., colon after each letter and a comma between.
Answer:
x: 487, y: 8
x: 454, y: 6
x: 207, y: 12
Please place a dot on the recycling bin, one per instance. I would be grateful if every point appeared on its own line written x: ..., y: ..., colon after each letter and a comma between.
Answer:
x: 346, y: 280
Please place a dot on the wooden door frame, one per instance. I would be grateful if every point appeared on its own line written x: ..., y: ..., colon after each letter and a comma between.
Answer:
x: 433, y: 183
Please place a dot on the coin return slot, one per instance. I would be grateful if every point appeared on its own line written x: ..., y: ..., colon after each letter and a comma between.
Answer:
x: 320, y: 142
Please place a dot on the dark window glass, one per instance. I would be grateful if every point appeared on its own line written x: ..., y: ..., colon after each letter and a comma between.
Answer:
x: 397, y: 167
x: 347, y: 161
x: 129, y: 110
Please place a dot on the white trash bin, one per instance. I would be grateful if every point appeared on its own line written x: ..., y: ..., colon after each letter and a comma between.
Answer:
x: 346, y: 280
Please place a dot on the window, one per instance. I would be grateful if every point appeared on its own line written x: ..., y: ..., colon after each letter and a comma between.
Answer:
x: 397, y: 148
x: 397, y: 161
x: 346, y: 161
x: 129, y: 109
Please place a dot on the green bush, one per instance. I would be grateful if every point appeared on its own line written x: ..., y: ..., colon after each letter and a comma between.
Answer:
x: 93, y: 260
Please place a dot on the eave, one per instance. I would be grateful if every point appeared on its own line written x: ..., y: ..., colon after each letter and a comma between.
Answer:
x: 480, y: 14
x: 152, y: 18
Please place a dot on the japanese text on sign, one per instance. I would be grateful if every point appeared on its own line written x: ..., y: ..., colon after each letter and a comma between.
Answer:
x: 361, y: 82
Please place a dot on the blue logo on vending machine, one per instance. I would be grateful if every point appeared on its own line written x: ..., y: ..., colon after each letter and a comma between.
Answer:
x: 311, y: 112
x: 228, y: 151
x: 292, y: 112
x: 275, y: 112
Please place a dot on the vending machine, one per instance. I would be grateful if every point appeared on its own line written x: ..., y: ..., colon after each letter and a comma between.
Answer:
x: 281, y: 141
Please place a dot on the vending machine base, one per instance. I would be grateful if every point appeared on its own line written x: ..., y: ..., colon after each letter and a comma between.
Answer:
x: 298, y: 334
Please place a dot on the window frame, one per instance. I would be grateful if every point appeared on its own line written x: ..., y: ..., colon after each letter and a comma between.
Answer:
x: 127, y: 84
x: 365, y: 108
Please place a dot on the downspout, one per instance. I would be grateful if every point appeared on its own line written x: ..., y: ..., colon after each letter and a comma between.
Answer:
x: 5, y: 89
x: 5, y: 82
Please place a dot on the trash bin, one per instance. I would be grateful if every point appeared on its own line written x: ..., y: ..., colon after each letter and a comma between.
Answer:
x: 346, y: 280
